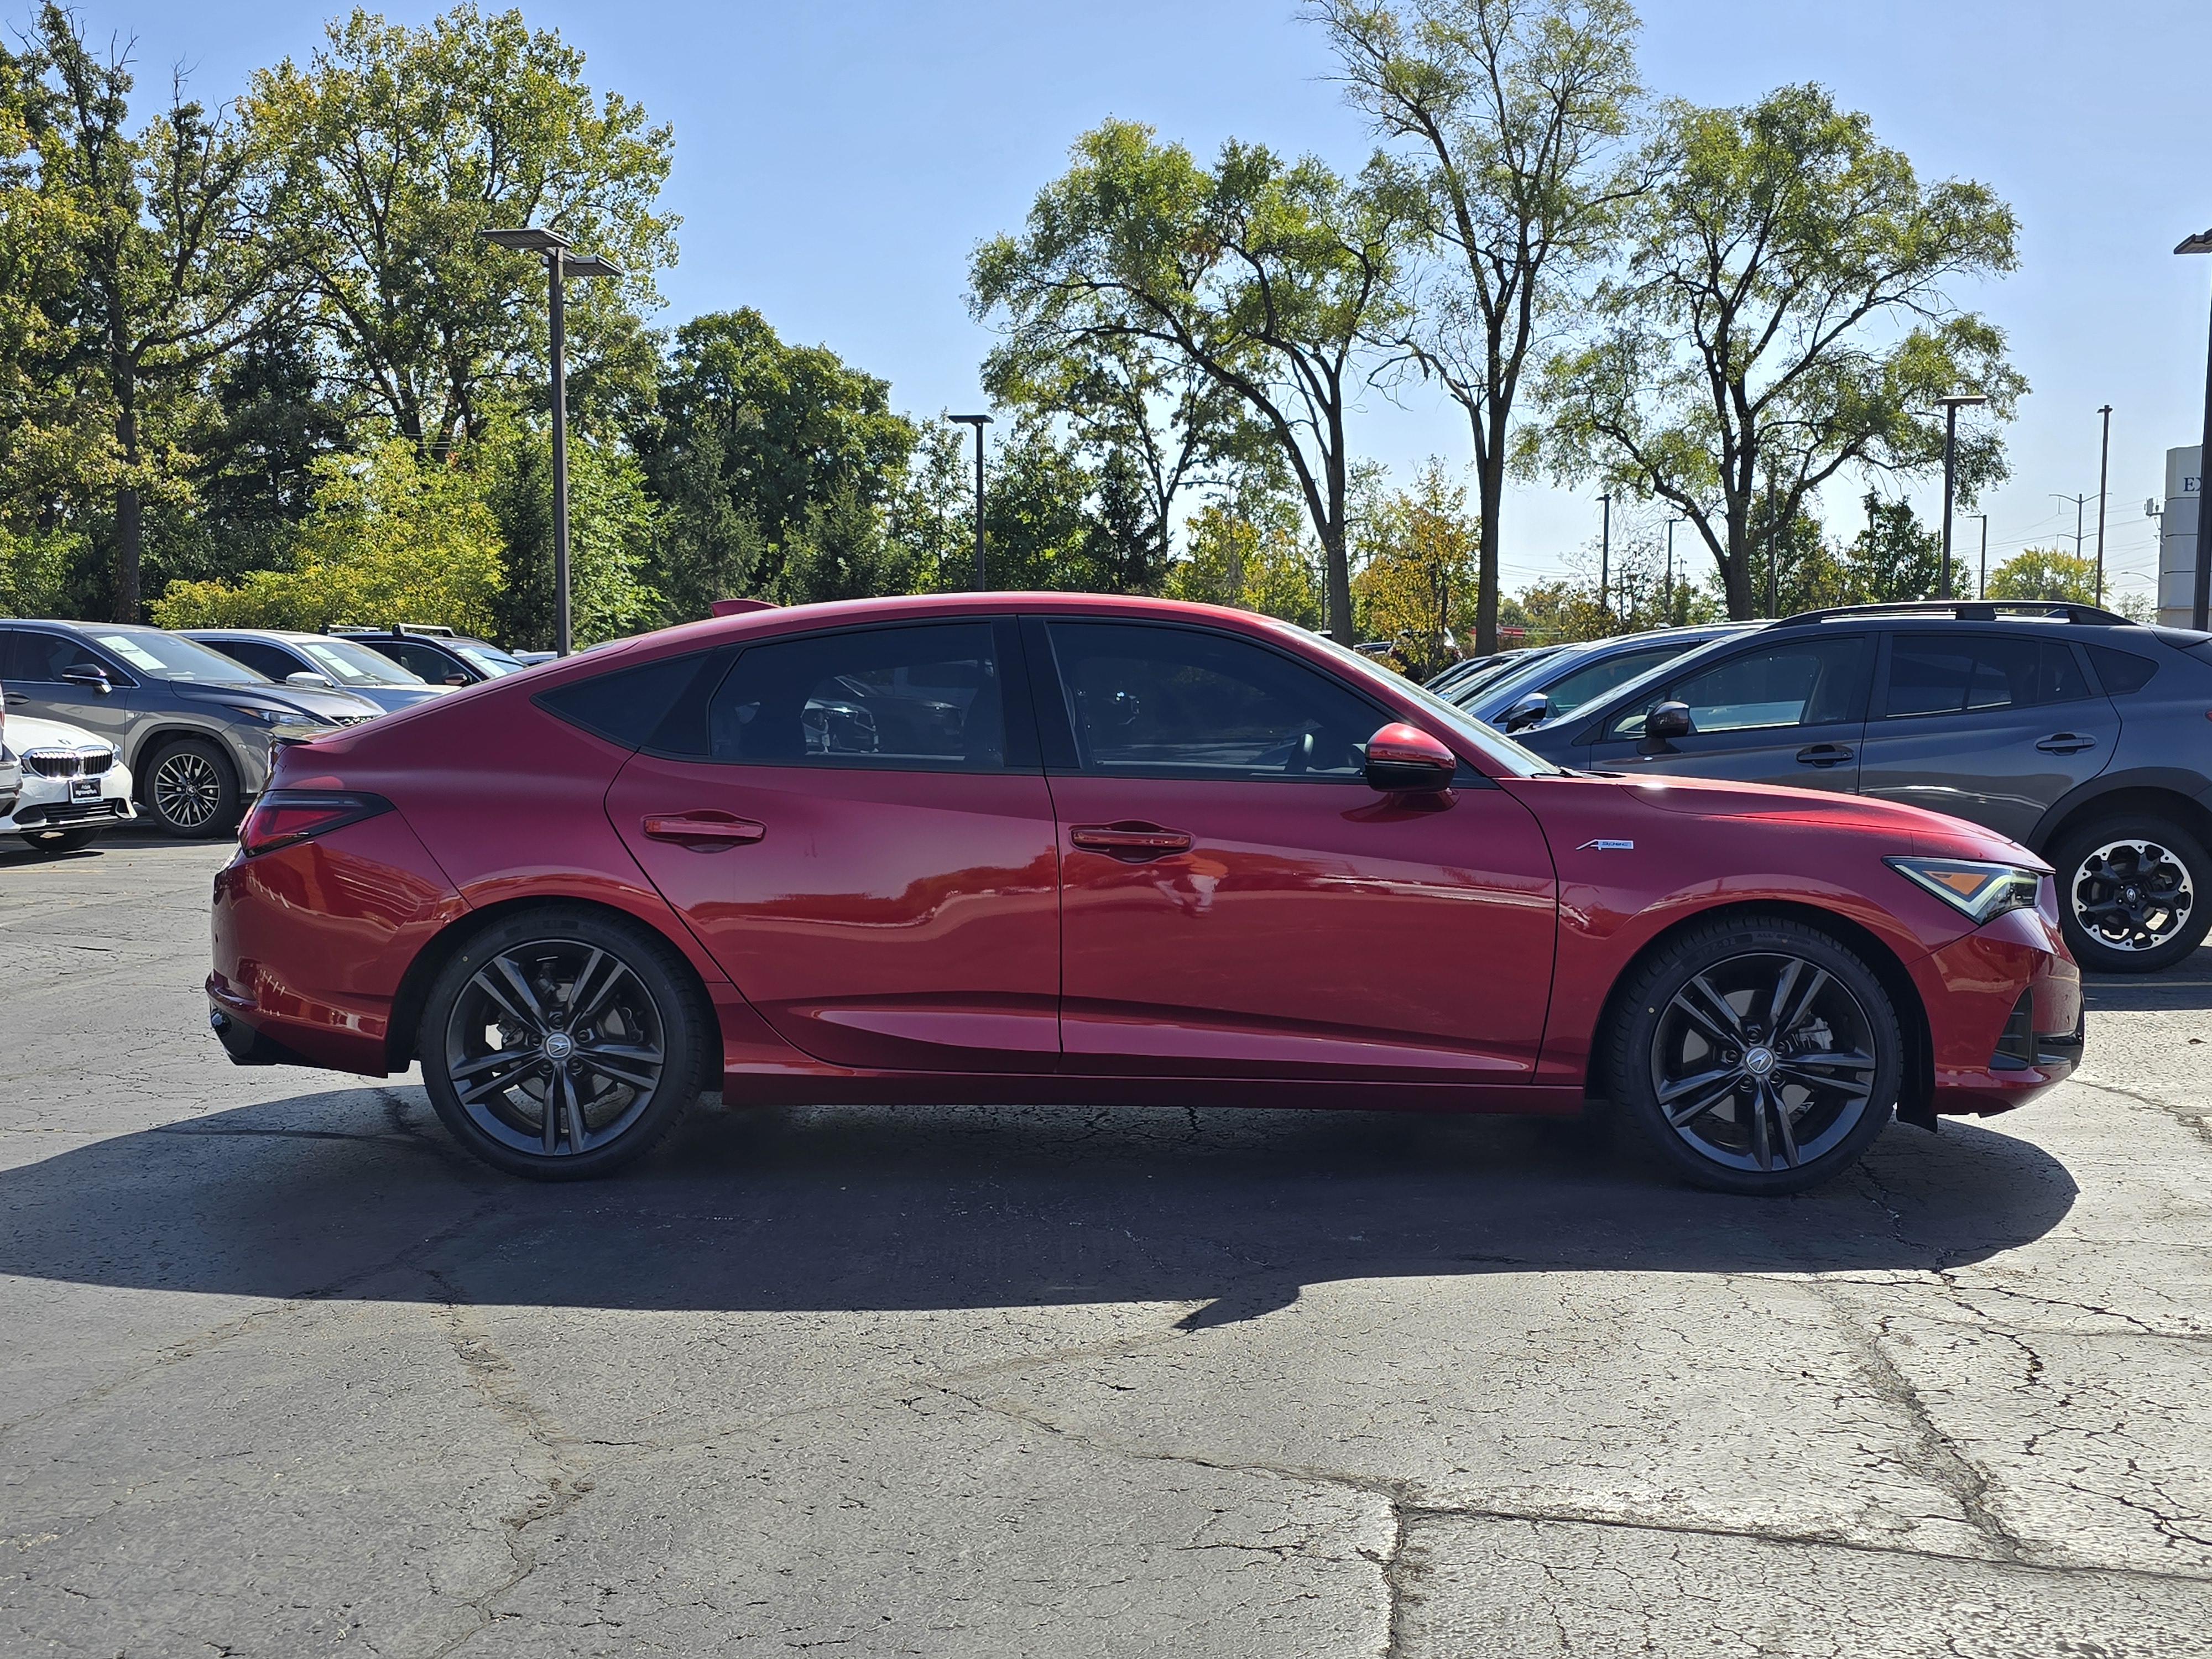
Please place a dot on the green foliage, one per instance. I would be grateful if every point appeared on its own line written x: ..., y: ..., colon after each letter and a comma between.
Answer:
x: 1268, y: 277
x: 1896, y: 557
x: 390, y: 153
x: 1781, y: 316
x: 2044, y: 573
x: 1418, y: 571
x: 611, y: 524
x: 1250, y: 550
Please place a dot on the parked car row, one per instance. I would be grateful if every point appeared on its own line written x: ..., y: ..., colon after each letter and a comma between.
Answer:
x: 111, y: 721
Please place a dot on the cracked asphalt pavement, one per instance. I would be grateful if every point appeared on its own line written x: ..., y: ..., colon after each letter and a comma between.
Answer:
x: 285, y: 1374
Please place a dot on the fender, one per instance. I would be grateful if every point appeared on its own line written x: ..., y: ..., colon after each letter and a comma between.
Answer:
x: 2190, y: 785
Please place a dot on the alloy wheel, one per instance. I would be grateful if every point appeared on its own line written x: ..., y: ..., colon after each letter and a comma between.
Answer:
x: 1764, y: 1061
x: 2131, y: 894
x: 187, y: 790
x: 555, y: 1048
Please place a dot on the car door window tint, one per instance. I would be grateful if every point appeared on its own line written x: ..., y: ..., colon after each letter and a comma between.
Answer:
x: 2122, y: 671
x: 36, y: 657
x: 632, y: 706
x: 1964, y: 674
x: 1809, y: 683
x: 1184, y: 701
x: 270, y: 660
x: 1573, y: 690
x: 920, y: 697
x: 428, y: 661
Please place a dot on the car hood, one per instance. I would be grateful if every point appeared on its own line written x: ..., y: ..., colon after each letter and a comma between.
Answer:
x: 22, y: 732
x: 1931, y: 833
x: 309, y: 700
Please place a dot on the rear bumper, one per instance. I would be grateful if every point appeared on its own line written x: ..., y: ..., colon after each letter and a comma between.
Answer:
x: 1972, y: 989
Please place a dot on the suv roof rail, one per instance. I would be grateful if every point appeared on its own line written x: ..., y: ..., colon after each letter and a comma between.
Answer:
x: 1970, y: 611
x: 437, y: 629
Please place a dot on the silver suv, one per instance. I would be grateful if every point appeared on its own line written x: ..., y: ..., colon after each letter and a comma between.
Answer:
x: 193, y: 725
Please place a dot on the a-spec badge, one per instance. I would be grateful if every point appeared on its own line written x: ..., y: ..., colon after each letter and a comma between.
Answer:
x: 1608, y: 846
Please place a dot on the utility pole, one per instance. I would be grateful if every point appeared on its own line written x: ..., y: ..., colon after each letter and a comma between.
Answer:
x: 1982, y: 591
x: 1773, y: 588
x: 1952, y: 405
x: 2104, y: 477
x: 2079, y: 501
x: 1605, y: 552
x: 1671, y: 523
x: 2200, y: 604
x: 979, y: 422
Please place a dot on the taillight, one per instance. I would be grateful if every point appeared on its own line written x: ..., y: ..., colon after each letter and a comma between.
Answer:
x: 281, y: 816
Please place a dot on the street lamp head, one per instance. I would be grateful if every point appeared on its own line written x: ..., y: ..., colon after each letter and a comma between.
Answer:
x: 979, y: 422
x: 590, y: 264
x: 1962, y: 400
x: 2200, y: 243
x: 527, y: 239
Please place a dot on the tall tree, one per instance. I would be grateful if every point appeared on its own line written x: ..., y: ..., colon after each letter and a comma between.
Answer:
x: 395, y: 148
x: 1780, y: 315
x: 1271, y: 278
x: 173, y: 269
x: 1506, y: 119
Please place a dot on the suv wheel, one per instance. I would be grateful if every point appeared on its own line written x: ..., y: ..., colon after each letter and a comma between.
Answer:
x: 2132, y: 894
x: 1758, y: 1055
x: 191, y: 789
x: 560, y: 1043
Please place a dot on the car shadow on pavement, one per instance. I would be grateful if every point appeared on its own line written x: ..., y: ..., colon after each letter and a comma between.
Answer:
x: 359, y: 1193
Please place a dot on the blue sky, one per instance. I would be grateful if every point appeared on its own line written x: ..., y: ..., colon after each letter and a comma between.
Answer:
x: 836, y: 162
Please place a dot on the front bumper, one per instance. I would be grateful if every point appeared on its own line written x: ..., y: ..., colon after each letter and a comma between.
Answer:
x: 2005, y: 1015
x: 46, y: 804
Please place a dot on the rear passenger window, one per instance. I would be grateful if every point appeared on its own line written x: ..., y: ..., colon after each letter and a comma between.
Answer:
x: 927, y: 697
x: 2122, y: 671
x: 1965, y: 674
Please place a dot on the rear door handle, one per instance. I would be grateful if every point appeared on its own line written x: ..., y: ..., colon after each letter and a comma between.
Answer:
x: 2066, y: 743
x: 1823, y: 754
x: 1130, y: 840
x: 703, y: 831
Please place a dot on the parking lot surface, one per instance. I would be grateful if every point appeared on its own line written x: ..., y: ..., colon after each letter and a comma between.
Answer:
x: 285, y: 1374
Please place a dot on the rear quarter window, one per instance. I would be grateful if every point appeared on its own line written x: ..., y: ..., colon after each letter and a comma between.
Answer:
x: 632, y: 706
x: 2121, y: 672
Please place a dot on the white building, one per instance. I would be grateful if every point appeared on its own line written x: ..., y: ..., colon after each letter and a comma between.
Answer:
x: 2177, y: 546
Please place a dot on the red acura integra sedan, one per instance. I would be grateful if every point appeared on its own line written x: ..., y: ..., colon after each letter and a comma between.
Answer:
x: 1063, y: 848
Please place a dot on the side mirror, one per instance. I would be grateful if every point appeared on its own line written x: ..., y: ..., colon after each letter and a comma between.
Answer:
x: 1667, y: 721
x: 1532, y: 710
x: 457, y: 680
x: 306, y: 678
x: 1404, y: 758
x: 96, y: 678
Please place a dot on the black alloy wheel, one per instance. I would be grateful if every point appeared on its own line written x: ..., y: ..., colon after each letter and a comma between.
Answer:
x: 1759, y: 1056
x: 190, y: 788
x: 2132, y: 894
x: 58, y: 841
x: 562, y: 1043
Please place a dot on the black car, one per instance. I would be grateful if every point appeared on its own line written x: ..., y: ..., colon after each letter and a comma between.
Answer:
x: 438, y: 655
x: 2081, y: 735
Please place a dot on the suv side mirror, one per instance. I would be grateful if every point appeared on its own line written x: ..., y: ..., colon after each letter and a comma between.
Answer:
x: 1404, y: 758
x: 305, y: 677
x: 1532, y: 710
x: 95, y: 678
x: 456, y: 679
x: 1664, y: 723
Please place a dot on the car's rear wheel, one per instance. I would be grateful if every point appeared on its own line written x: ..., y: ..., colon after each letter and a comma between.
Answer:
x: 58, y: 841
x: 191, y: 789
x: 2135, y: 894
x: 562, y: 1043
x: 1758, y: 1055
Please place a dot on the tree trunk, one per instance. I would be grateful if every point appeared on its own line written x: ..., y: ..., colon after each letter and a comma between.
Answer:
x: 1490, y: 495
x: 1339, y: 565
x: 1737, y: 566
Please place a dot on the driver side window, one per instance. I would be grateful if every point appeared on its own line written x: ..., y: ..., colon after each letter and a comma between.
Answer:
x: 34, y: 658
x: 1164, y: 701
x: 1818, y: 682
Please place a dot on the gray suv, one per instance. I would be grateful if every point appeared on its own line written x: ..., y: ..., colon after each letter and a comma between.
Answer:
x: 194, y: 727
x: 2078, y: 733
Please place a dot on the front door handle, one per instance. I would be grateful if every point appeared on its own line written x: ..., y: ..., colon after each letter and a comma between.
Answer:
x: 1131, y: 841
x: 703, y: 831
x: 1823, y: 754
x: 2066, y: 743
x: 17, y: 699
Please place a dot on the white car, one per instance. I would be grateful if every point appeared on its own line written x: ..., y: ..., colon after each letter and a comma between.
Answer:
x: 75, y: 784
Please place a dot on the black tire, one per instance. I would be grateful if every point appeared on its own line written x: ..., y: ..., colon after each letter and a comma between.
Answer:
x: 2162, y: 865
x: 1743, y: 1112
x: 190, y: 789
x: 627, y: 1061
x: 58, y: 841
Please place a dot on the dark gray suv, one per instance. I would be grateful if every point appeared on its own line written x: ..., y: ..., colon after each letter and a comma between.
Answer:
x: 194, y: 727
x: 2083, y: 736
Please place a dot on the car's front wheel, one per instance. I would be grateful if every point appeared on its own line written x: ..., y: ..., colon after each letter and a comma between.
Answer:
x: 560, y: 1043
x: 1759, y: 1054
x: 2132, y: 895
x: 191, y: 789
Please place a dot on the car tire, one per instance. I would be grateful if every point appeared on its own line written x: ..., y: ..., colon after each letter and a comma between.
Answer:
x: 1696, y: 1065
x: 58, y: 841
x: 2162, y: 863
x: 190, y: 789
x: 567, y: 1014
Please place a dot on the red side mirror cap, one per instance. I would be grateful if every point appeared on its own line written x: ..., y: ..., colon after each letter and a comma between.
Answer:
x: 1401, y: 757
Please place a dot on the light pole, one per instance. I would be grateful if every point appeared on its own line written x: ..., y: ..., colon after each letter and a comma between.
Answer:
x: 979, y: 422
x: 2104, y: 478
x: 1605, y: 549
x: 1952, y: 405
x: 1982, y: 589
x: 1671, y: 523
x: 2201, y: 600
x: 560, y: 265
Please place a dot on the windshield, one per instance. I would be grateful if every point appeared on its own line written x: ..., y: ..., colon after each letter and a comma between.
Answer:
x: 488, y: 658
x: 1511, y: 666
x: 165, y: 657
x: 350, y: 665
x: 1510, y: 755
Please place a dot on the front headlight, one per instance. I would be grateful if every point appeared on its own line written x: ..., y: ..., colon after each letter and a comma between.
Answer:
x: 288, y: 721
x: 1978, y: 890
